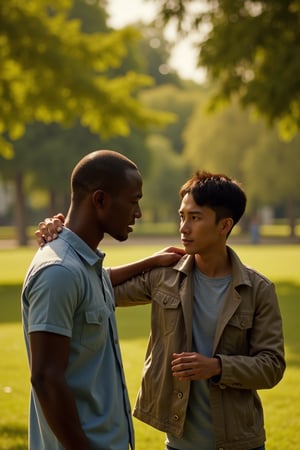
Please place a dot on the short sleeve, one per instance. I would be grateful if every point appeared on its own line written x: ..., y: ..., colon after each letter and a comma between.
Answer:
x: 53, y: 295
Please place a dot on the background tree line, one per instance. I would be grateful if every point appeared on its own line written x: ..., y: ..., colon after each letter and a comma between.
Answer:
x: 70, y: 85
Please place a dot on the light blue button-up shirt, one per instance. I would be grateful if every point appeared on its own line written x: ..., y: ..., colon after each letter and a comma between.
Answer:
x: 67, y: 292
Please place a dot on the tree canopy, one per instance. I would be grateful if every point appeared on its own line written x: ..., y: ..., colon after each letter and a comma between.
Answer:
x: 250, y: 48
x: 51, y: 71
x: 231, y: 142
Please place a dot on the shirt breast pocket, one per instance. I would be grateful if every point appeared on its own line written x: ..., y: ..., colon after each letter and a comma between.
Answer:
x: 236, y: 334
x: 94, y: 328
x: 169, y: 310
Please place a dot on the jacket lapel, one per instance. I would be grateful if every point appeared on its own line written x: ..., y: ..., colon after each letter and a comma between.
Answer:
x: 185, y: 267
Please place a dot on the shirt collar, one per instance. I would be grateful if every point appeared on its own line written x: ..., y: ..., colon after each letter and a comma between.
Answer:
x: 81, y: 248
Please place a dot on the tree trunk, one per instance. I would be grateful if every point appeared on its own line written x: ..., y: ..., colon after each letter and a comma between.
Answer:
x: 58, y: 203
x: 20, y: 210
x: 52, y: 203
x: 291, y: 215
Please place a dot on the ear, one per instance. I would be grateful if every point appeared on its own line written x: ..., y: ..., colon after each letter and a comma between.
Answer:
x: 100, y: 198
x: 226, y: 225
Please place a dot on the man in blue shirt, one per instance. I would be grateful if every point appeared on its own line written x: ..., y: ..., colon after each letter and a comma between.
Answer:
x: 78, y: 398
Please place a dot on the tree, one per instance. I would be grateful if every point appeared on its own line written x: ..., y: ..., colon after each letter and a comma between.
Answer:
x: 51, y: 71
x: 219, y: 142
x: 74, y: 76
x: 231, y: 142
x: 154, y: 51
x: 166, y: 174
x: 251, y: 49
x: 271, y: 171
x: 181, y: 102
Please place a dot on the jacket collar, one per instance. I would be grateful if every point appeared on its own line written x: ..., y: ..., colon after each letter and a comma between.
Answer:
x: 239, y: 271
x: 240, y: 274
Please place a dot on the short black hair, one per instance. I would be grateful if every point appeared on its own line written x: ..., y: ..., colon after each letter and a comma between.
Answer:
x: 218, y: 192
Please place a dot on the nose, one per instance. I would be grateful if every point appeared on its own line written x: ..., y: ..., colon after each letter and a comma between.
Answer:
x: 138, y: 212
x: 183, y: 228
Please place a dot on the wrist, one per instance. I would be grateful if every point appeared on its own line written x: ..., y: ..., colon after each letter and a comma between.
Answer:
x: 217, y: 369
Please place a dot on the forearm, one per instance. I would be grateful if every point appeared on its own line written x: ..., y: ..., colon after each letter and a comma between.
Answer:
x: 166, y: 257
x: 262, y: 371
x: 123, y: 273
x: 60, y: 411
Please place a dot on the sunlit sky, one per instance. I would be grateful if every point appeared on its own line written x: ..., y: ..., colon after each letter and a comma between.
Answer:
x: 183, y: 59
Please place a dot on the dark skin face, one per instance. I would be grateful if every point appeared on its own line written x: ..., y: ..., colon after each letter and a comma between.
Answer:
x: 123, y: 209
x: 102, y: 212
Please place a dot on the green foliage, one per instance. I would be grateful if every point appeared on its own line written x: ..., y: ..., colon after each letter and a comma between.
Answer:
x: 250, y: 50
x: 51, y: 71
x: 92, y: 15
x: 219, y: 142
x: 75, y: 96
x: 179, y: 101
x: 166, y: 174
x: 283, y: 166
x: 233, y: 142
x: 150, y: 54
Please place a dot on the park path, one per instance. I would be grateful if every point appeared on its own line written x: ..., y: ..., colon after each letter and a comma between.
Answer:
x: 167, y: 241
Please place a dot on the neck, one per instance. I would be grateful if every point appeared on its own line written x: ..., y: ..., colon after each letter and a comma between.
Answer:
x: 214, y: 265
x: 84, y: 226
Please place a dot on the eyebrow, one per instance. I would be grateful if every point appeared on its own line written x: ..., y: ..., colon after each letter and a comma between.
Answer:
x: 196, y: 211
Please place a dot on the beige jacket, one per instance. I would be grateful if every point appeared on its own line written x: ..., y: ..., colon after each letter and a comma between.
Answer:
x: 248, y: 340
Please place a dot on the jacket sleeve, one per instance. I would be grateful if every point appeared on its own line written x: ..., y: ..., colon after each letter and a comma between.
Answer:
x: 136, y: 291
x: 252, y: 347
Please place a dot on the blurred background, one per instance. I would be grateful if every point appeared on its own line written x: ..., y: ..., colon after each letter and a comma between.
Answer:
x: 177, y: 86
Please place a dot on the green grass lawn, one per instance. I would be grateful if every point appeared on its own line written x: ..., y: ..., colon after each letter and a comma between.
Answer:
x: 281, y: 404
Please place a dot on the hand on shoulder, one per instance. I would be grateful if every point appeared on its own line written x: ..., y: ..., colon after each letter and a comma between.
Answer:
x: 168, y: 256
x: 49, y: 229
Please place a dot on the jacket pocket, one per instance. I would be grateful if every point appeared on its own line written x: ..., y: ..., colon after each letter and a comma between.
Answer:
x: 94, y: 328
x: 169, y: 310
x: 235, y: 336
x: 244, y: 414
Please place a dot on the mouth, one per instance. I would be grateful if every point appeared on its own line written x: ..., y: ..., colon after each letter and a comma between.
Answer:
x: 130, y: 229
x: 186, y: 242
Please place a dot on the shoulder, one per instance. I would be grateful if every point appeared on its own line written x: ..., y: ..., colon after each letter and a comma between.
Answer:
x: 258, y: 277
x: 53, y: 281
x: 244, y: 273
x: 61, y: 269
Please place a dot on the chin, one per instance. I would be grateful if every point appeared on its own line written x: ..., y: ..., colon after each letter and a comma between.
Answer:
x: 190, y: 251
x: 121, y: 237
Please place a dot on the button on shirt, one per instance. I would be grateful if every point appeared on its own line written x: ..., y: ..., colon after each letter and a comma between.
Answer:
x: 67, y: 292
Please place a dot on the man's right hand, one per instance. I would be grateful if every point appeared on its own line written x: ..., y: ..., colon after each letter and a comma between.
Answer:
x: 49, y: 229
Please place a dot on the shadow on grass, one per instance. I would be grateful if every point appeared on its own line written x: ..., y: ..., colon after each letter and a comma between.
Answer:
x: 289, y: 299
x: 10, y: 303
x: 14, y: 437
x: 134, y: 322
